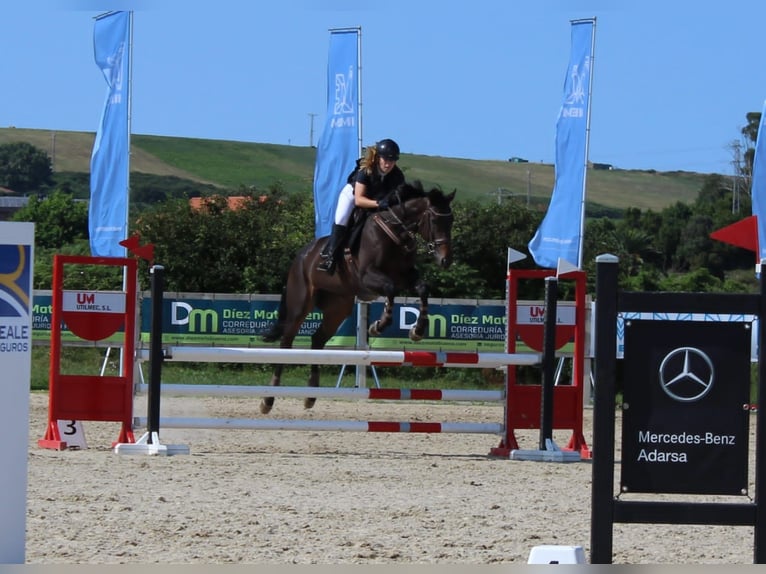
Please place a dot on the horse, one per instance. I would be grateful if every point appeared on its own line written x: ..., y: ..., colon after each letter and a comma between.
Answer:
x: 383, y: 264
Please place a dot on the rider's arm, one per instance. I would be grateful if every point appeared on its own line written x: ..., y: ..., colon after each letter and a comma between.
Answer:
x: 361, y: 199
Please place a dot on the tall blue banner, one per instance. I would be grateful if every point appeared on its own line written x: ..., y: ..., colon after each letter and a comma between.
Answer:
x: 560, y: 233
x: 109, y: 163
x: 758, y: 189
x: 338, y: 147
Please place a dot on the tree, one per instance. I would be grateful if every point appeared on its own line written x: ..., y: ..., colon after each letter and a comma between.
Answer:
x: 24, y: 168
x: 481, y: 237
x: 59, y: 219
x: 218, y: 249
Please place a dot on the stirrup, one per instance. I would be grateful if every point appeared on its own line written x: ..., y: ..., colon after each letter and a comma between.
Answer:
x: 326, y: 264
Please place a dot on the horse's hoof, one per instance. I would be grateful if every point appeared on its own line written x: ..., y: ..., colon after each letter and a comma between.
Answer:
x: 414, y: 336
x: 308, y: 403
x: 266, y: 406
x: 373, y: 330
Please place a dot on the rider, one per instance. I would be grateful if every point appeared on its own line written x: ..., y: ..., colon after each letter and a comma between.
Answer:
x: 377, y: 176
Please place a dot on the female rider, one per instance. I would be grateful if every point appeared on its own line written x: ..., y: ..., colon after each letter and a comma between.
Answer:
x: 376, y: 177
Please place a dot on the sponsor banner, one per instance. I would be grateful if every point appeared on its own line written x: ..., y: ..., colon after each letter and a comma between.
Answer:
x: 338, y: 145
x: 110, y: 158
x: 560, y: 233
x: 201, y: 320
x: 686, y: 317
x: 16, y: 262
x: 454, y: 324
x: 242, y: 323
x: 535, y: 314
x: 758, y: 188
x: 686, y: 421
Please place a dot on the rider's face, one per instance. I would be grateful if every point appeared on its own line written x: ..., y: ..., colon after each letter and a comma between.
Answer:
x: 386, y: 165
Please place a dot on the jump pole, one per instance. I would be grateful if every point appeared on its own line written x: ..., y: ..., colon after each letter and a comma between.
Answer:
x: 348, y: 357
x: 458, y: 395
x: 329, y: 425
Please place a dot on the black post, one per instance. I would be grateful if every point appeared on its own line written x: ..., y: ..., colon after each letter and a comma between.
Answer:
x: 759, y: 538
x: 549, y: 360
x: 156, y: 357
x: 602, y: 484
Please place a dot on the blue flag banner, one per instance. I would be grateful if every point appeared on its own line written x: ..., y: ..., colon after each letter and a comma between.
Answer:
x: 338, y: 146
x: 560, y: 233
x: 109, y: 163
x: 758, y: 189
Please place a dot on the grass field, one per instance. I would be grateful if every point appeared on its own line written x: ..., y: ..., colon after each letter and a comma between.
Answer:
x: 233, y: 164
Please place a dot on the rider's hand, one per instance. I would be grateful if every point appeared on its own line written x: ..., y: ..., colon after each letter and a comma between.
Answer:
x: 383, y: 203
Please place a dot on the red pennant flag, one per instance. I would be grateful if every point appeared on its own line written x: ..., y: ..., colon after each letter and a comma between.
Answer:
x: 743, y: 233
x: 131, y: 242
x: 142, y: 251
x: 145, y: 252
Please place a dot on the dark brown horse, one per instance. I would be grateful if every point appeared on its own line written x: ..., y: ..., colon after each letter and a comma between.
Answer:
x: 383, y: 265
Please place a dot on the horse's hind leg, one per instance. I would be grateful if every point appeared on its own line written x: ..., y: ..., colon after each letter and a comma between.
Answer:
x: 286, y: 342
x: 333, y: 314
x: 267, y: 403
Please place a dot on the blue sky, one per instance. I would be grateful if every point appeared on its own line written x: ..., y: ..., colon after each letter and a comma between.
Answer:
x: 672, y: 81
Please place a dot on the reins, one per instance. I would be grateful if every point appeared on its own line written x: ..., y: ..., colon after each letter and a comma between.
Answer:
x: 409, y: 235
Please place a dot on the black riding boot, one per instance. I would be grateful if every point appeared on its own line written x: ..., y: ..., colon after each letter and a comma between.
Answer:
x: 331, y: 248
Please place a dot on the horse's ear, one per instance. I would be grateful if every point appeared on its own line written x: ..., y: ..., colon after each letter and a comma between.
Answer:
x: 451, y: 196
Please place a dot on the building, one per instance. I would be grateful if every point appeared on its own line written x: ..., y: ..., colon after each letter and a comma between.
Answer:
x: 10, y: 203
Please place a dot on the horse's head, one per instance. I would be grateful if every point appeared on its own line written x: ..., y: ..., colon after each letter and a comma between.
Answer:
x: 432, y: 214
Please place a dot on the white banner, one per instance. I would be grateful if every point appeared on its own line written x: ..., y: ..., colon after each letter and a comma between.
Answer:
x: 16, y: 258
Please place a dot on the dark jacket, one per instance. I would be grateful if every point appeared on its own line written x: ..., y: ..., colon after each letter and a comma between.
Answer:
x: 379, y: 186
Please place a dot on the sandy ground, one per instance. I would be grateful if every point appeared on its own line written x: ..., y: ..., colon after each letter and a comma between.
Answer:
x: 290, y: 497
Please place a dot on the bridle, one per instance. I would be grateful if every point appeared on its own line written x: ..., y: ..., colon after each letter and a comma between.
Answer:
x: 424, y: 226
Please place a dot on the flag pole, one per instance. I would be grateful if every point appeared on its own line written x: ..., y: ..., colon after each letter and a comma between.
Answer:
x: 125, y: 273
x: 130, y: 119
x: 359, y: 87
x: 587, y: 140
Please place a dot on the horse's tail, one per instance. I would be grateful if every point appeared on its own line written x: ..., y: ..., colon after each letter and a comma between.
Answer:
x: 277, y: 328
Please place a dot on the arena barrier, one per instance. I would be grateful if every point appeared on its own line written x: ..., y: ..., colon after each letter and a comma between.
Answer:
x: 158, y: 355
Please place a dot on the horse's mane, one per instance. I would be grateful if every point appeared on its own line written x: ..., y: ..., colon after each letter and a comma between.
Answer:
x: 414, y: 190
x: 406, y: 191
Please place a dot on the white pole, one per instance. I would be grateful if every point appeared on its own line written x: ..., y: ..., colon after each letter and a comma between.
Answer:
x: 127, y: 175
x: 587, y: 139
x: 343, y: 357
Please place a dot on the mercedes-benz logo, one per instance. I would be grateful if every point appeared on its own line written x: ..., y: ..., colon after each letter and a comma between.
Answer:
x: 686, y: 374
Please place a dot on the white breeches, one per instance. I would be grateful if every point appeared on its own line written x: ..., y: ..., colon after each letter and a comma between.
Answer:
x: 345, y: 205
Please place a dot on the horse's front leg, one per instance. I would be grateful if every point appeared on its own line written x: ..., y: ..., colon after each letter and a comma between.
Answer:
x: 418, y: 330
x: 376, y: 328
x: 378, y: 282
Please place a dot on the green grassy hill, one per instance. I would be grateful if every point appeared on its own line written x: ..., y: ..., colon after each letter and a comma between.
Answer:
x: 232, y: 164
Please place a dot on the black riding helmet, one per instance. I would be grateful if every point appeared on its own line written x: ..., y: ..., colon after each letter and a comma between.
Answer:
x: 388, y: 149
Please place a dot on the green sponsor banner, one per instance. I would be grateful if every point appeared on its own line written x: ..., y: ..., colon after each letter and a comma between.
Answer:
x: 240, y: 321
